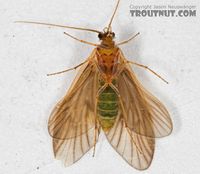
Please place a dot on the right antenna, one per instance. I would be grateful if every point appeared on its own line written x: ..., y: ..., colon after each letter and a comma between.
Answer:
x: 109, y: 25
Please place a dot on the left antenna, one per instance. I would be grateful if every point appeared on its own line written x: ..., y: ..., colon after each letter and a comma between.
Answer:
x: 60, y: 26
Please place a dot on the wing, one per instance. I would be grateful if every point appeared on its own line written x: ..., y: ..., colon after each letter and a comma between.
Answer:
x: 75, y: 113
x: 144, y: 113
x: 137, y: 150
x: 71, y: 150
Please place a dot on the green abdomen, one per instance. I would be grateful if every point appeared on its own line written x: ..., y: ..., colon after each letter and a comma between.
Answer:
x: 107, y: 108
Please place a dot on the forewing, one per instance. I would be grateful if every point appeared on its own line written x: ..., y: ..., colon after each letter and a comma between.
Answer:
x: 75, y: 113
x: 144, y: 113
x: 137, y: 150
x: 71, y: 150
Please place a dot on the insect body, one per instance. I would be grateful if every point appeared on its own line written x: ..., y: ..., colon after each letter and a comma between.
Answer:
x: 106, y: 95
x: 107, y: 104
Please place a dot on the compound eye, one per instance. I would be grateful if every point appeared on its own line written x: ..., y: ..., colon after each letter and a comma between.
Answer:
x: 113, y: 34
x: 100, y: 36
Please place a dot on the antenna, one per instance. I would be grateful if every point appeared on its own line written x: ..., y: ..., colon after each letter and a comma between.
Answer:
x: 116, y: 7
x: 60, y: 26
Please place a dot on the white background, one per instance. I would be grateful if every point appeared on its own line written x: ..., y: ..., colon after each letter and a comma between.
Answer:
x: 170, y: 46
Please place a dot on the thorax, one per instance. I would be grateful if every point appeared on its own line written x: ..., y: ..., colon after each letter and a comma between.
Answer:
x: 108, y: 60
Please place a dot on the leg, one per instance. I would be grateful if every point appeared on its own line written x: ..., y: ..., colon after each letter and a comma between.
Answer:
x: 115, y: 89
x: 83, y: 41
x: 133, y: 139
x: 120, y: 101
x: 96, y: 131
x: 95, y: 138
x: 125, y: 124
x: 125, y: 115
x: 126, y: 41
x: 102, y: 89
x: 67, y: 69
x: 147, y: 68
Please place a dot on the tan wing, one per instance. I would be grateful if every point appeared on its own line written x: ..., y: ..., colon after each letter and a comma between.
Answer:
x: 75, y: 113
x: 137, y: 150
x: 143, y: 112
x: 71, y: 150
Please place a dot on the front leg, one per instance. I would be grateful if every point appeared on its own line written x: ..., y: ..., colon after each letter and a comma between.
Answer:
x: 147, y: 68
